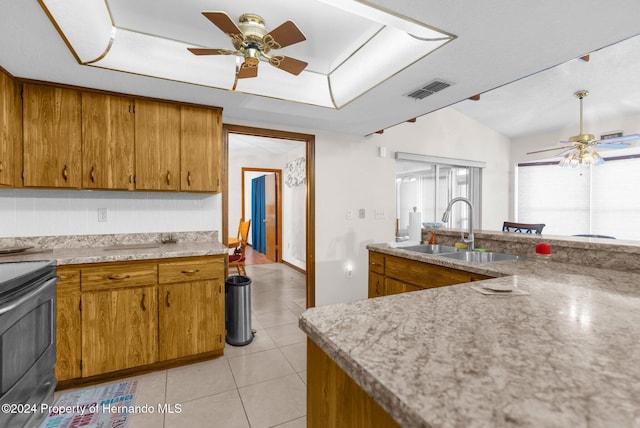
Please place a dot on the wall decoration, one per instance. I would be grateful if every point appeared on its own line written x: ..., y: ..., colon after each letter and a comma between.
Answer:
x: 295, y: 172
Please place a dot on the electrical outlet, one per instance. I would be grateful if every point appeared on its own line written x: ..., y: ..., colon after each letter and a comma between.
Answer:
x: 361, y: 213
x: 102, y: 214
x: 349, y: 214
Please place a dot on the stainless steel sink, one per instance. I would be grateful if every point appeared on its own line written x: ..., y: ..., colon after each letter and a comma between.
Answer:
x: 430, y: 249
x: 131, y: 246
x: 480, y: 257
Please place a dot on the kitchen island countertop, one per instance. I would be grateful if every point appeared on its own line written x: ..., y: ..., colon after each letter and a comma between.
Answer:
x: 566, y: 354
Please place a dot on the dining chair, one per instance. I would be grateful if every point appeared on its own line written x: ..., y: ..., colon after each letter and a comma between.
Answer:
x: 243, y: 233
x: 536, y: 228
x: 237, y: 259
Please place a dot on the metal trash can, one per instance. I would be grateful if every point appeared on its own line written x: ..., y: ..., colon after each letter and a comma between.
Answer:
x: 237, y: 315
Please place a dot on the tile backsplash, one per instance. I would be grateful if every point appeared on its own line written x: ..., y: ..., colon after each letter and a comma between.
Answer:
x: 27, y: 212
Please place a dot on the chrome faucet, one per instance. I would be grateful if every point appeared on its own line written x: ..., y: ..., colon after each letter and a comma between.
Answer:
x: 445, y: 218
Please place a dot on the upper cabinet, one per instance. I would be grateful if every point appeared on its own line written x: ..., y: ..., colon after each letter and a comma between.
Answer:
x: 10, y: 131
x: 52, y: 136
x: 107, y: 141
x: 157, y: 146
x: 200, y: 149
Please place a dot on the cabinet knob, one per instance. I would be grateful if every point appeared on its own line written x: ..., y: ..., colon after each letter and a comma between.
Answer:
x: 168, y: 177
x: 92, y: 174
x: 188, y: 178
x: 65, y: 173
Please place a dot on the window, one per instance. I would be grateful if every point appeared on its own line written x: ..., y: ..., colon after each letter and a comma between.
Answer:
x: 600, y: 200
x: 428, y: 183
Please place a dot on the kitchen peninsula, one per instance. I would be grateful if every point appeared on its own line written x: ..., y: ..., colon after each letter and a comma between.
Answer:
x: 562, y: 352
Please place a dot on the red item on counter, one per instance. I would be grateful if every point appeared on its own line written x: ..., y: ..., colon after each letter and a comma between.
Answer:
x: 543, y: 248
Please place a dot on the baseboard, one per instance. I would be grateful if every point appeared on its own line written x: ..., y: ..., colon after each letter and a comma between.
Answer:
x: 294, y: 267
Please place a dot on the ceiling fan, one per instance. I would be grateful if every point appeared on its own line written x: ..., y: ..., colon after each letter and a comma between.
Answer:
x: 580, y: 143
x: 251, y: 41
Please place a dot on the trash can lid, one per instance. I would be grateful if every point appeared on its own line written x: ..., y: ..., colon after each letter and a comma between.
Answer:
x: 238, y: 280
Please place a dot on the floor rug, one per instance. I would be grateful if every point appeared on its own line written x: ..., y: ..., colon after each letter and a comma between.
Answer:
x: 108, y: 406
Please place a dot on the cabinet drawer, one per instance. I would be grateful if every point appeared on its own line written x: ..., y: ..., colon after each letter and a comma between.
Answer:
x: 69, y: 282
x: 426, y: 275
x: 114, y: 275
x: 376, y: 262
x: 191, y: 270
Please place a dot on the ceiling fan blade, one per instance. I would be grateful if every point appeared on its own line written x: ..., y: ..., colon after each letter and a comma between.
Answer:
x: 630, y: 137
x: 290, y: 65
x: 208, y: 51
x: 247, y: 71
x: 224, y: 23
x: 613, y: 146
x: 284, y: 35
x: 549, y: 150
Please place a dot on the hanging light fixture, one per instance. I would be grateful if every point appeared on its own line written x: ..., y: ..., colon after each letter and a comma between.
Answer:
x: 581, y: 155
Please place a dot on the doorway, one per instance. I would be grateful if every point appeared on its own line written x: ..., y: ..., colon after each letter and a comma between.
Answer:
x: 262, y: 202
x: 308, y: 188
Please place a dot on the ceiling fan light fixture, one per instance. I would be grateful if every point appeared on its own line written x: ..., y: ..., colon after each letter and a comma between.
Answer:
x: 252, y: 57
x: 581, y: 158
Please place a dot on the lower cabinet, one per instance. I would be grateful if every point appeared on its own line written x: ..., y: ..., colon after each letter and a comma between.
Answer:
x: 191, y: 309
x: 392, y: 275
x: 122, y: 315
x: 334, y: 400
x: 119, y: 329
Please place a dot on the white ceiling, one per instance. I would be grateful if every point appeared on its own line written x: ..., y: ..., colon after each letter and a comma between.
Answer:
x: 498, y: 41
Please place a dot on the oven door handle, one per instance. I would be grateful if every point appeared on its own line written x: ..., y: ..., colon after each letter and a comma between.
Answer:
x: 20, y: 300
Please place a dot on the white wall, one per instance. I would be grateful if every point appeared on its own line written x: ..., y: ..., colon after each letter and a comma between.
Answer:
x: 28, y: 212
x: 294, y: 221
x: 520, y: 146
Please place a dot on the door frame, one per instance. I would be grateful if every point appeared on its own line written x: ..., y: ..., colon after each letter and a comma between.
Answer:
x: 310, y: 142
x: 278, y: 173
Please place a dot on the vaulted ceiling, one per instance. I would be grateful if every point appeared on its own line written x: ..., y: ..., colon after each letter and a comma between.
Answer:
x: 495, y: 42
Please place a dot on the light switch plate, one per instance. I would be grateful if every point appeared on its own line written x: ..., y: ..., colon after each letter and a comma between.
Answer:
x: 102, y: 215
x: 361, y: 213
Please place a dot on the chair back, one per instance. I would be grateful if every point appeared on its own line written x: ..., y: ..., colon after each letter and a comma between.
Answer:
x: 536, y: 228
x: 243, y: 230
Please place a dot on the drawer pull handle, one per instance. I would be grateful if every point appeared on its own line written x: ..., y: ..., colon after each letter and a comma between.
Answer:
x: 167, y: 299
x: 376, y: 264
x: 1, y: 167
x: 118, y: 277
x: 142, y: 305
x: 92, y: 174
x: 65, y: 173
x: 168, y: 177
x: 188, y: 178
x: 190, y: 271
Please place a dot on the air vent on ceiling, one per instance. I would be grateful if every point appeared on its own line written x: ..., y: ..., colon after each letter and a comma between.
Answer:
x: 428, y: 89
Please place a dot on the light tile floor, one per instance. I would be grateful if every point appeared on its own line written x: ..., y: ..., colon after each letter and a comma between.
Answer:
x: 258, y: 385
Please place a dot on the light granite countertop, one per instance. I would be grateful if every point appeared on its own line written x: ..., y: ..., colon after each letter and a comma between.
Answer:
x: 566, y: 354
x: 114, y: 248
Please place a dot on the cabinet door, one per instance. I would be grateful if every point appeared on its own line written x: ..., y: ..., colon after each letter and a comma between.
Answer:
x: 201, y: 149
x: 68, y: 324
x: 52, y: 137
x: 157, y: 146
x: 107, y: 142
x: 376, y: 284
x: 191, y: 318
x: 119, y: 329
x: 10, y: 131
x: 392, y: 286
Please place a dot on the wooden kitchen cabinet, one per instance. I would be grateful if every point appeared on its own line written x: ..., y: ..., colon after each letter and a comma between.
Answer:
x: 392, y: 275
x: 191, y: 309
x: 10, y: 131
x: 200, y: 149
x: 119, y: 329
x: 117, y: 318
x: 68, y: 324
x: 157, y: 146
x: 52, y: 136
x: 107, y: 141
